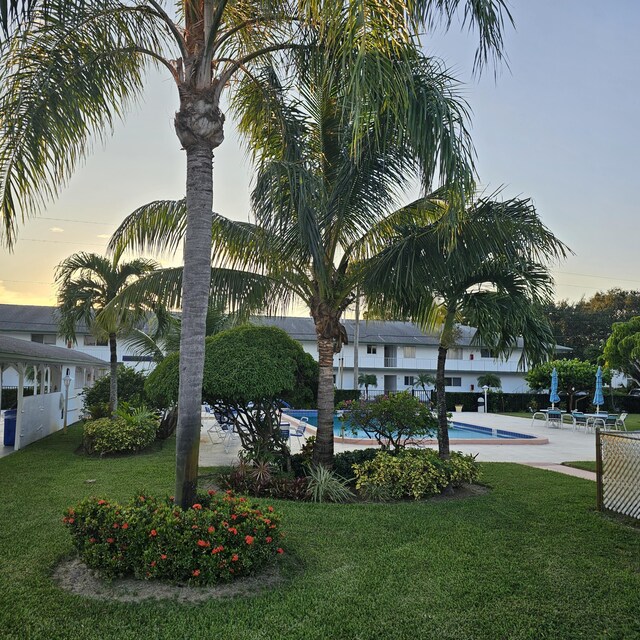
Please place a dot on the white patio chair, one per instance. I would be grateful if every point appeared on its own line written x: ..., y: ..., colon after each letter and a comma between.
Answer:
x: 620, y: 421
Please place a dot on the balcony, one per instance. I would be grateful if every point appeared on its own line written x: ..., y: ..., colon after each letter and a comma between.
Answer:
x: 390, y: 361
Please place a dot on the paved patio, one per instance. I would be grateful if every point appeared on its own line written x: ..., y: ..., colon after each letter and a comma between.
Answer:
x: 564, y: 444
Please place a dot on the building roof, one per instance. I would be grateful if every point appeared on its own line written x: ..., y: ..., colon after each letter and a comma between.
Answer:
x: 14, y: 350
x: 30, y: 318
x: 372, y: 332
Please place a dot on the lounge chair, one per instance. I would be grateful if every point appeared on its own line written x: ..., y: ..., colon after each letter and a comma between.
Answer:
x: 620, y: 421
x: 299, y: 433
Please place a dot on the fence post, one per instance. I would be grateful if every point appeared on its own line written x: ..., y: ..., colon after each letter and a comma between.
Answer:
x: 598, y: 470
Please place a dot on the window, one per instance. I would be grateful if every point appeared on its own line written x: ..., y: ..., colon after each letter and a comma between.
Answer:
x: 92, y: 341
x: 455, y: 354
x: 409, y: 352
x: 453, y: 382
x: 488, y: 353
x: 43, y: 338
x: 409, y: 381
x: 371, y: 349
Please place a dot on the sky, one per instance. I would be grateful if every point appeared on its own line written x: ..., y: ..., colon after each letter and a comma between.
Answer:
x: 559, y: 125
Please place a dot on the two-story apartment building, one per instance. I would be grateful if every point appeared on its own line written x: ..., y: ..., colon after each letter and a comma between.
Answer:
x: 395, y: 352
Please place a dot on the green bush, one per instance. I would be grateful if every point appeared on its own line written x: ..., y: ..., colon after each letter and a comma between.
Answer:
x: 343, y: 462
x: 130, y: 390
x: 413, y: 474
x: 220, y: 538
x: 125, y: 433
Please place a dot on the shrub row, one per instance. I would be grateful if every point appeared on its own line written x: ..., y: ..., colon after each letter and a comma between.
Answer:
x: 129, y: 432
x: 220, y: 538
x: 412, y: 473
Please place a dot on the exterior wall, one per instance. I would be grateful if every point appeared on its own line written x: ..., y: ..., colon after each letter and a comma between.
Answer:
x: 466, y: 367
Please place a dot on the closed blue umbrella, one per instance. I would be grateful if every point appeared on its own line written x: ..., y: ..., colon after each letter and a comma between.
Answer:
x: 598, y: 397
x: 553, y: 392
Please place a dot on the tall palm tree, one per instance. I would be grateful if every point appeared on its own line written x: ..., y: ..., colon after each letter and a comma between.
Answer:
x: 87, y: 283
x: 488, y: 269
x: 70, y: 67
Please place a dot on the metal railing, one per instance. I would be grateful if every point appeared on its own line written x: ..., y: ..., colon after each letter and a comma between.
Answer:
x: 618, y: 472
x: 390, y: 361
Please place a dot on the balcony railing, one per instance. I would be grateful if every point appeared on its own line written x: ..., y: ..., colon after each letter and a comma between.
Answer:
x: 390, y: 361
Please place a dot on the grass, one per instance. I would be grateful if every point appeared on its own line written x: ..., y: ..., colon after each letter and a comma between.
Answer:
x: 587, y: 465
x: 530, y: 559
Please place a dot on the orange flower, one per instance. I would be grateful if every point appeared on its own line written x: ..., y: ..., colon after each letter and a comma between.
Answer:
x: 92, y: 540
x: 268, y: 539
x: 211, y: 529
x: 153, y: 533
x: 195, y: 572
x: 270, y: 509
x: 211, y: 492
x: 125, y: 525
x: 197, y: 506
x: 233, y: 530
x: 163, y: 556
x: 280, y: 550
x: 203, y: 543
x: 153, y: 563
x: 234, y: 516
x: 116, y: 525
x: 70, y: 520
x: 102, y: 502
x: 234, y: 557
x: 110, y: 540
x: 248, y: 539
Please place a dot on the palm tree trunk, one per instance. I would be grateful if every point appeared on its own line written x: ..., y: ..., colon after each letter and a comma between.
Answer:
x: 113, y: 372
x: 441, y: 405
x: 196, y: 284
x: 323, y: 449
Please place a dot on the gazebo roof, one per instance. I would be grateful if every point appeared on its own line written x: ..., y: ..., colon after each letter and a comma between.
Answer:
x: 14, y: 350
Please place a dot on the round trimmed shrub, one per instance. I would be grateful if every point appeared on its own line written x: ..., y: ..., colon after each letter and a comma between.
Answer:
x: 120, y: 435
x: 413, y: 473
x: 219, y: 538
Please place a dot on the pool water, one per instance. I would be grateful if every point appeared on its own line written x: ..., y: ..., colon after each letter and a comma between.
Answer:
x: 457, y: 431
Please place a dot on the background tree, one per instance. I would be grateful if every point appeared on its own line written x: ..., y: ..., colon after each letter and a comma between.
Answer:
x: 487, y: 268
x: 584, y: 326
x: 367, y: 380
x: 491, y: 380
x: 95, y: 399
x: 87, y: 283
x: 622, y: 350
x: 574, y: 376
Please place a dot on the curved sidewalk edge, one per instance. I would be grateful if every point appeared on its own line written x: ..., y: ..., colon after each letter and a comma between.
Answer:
x: 560, y: 468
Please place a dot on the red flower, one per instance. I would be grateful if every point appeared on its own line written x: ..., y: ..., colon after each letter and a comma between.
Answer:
x: 211, y: 492
x: 163, y: 556
x: 153, y: 563
x: 211, y: 529
x: 195, y: 572
x: 70, y: 520
x: 233, y: 530
x: 197, y: 506
x: 248, y: 539
x: 217, y: 550
x: 280, y: 550
x: 234, y: 557
x: 153, y: 533
x: 194, y: 526
x: 125, y: 525
x: 268, y: 539
x: 234, y: 516
x: 203, y: 543
x: 92, y: 540
x: 116, y: 525
x: 102, y: 502
x: 270, y: 509
x: 110, y: 540
x: 141, y: 498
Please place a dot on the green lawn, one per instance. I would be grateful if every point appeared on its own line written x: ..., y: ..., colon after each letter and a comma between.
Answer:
x: 531, y: 559
x: 587, y: 465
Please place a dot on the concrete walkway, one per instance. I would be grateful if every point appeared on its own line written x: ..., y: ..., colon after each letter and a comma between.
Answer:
x: 568, y: 471
x: 564, y: 445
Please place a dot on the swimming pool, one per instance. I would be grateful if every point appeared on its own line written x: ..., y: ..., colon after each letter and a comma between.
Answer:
x: 459, y: 431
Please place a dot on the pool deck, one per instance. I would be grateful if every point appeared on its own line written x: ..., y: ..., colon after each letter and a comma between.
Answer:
x: 564, y: 445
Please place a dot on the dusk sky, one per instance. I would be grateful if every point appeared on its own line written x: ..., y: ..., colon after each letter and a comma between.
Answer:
x: 559, y: 125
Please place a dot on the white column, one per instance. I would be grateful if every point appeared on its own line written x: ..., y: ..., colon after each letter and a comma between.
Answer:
x: 21, y: 368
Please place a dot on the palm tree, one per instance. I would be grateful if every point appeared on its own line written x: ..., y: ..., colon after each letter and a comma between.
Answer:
x: 87, y: 283
x: 424, y: 380
x: 488, y: 269
x: 367, y: 380
x: 71, y: 66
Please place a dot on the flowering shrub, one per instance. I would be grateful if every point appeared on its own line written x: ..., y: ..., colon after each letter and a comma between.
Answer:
x: 219, y: 538
x: 412, y: 473
x: 127, y: 432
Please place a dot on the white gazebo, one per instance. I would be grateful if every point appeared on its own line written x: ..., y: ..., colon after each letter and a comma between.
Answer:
x: 59, y: 375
